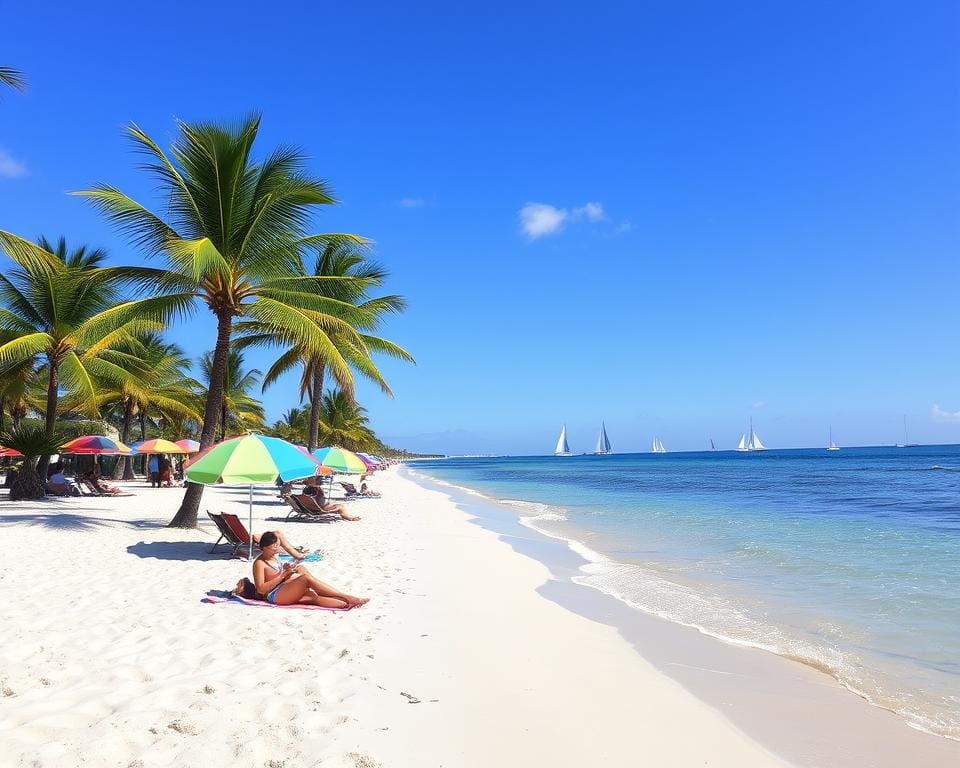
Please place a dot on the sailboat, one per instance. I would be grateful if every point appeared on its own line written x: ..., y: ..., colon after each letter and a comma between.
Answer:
x: 906, y: 443
x: 562, y: 448
x: 603, y: 443
x: 658, y: 446
x: 832, y: 446
x: 712, y: 446
x: 751, y: 443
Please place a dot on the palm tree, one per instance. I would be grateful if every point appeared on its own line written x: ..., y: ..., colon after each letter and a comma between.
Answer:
x: 13, y: 78
x: 338, y: 258
x: 292, y: 426
x: 343, y: 422
x: 59, y: 308
x: 239, y: 410
x: 159, y: 382
x: 15, y: 389
x: 33, y: 442
x: 231, y: 238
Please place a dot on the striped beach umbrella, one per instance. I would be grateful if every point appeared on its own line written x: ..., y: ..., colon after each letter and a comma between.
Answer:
x: 157, y: 445
x: 90, y: 445
x: 250, y: 460
x: 189, y: 446
x: 340, y: 460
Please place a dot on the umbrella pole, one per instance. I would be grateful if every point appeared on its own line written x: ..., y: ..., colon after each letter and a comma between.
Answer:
x: 250, y: 529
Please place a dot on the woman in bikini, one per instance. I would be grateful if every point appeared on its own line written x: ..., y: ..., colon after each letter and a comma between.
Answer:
x: 288, y: 584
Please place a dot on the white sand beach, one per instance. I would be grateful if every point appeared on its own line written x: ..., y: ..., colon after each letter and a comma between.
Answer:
x: 109, y: 657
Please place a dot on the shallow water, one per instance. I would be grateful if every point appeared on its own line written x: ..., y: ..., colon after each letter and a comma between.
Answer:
x: 848, y: 561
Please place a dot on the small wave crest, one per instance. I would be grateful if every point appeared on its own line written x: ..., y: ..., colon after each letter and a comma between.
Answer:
x: 535, y: 511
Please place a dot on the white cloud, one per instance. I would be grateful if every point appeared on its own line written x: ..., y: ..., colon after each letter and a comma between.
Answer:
x: 759, y: 404
x: 9, y: 167
x: 623, y: 227
x: 540, y: 219
x: 412, y: 202
x: 938, y: 414
x: 590, y: 211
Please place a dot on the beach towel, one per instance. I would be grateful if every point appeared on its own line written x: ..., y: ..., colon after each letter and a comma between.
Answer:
x: 309, y: 557
x: 219, y: 596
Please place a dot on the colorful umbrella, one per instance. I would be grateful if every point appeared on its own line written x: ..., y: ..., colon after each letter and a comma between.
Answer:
x: 189, y: 446
x: 157, y: 445
x: 249, y: 460
x: 9, y: 453
x: 340, y: 460
x: 95, y: 444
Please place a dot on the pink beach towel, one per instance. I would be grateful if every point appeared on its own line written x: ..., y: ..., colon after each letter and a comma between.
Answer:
x: 224, y: 597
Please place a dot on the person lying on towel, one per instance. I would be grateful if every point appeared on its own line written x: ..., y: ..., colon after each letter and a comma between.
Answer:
x: 288, y: 584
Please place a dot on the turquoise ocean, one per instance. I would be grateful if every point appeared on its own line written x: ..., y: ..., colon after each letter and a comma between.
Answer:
x: 848, y: 561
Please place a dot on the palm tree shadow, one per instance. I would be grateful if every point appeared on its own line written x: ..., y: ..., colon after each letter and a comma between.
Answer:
x: 176, y: 550
x: 69, y: 521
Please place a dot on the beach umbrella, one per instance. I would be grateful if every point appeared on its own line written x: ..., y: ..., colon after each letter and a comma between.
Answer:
x: 9, y: 453
x: 250, y: 460
x: 340, y: 460
x: 95, y: 445
x: 157, y: 445
x: 189, y: 446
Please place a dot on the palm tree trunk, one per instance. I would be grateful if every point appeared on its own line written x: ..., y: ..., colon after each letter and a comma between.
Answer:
x: 316, y: 396
x: 186, y: 516
x: 223, y: 421
x: 124, y: 468
x: 3, y: 422
x: 53, y: 390
x: 142, y: 418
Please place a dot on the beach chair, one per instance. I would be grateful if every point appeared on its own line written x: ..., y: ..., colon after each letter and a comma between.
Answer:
x: 300, y: 511
x: 239, y: 530
x: 227, y: 534
x: 350, y: 489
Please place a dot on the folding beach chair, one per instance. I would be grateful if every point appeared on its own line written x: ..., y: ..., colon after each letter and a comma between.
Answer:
x: 239, y: 530
x: 226, y: 533
x: 300, y: 511
x: 350, y: 489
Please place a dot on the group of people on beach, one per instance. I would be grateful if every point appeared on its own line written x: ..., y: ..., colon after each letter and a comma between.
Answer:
x: 59, y: 484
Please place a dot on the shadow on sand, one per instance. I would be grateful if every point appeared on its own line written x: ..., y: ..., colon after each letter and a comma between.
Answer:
x: 177, y: 550
x: 70, y: 521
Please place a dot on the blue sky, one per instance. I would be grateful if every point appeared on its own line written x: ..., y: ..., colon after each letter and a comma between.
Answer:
x: 672, y: 217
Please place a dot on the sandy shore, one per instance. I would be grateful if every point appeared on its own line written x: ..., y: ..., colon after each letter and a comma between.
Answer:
x: 109, y: 657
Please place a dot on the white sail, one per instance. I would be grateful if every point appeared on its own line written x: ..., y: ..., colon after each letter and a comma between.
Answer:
x: 603, y: 443
x: 562, y: 448
x: 832, y: 446
x: 742, y: 445
x: 755, y: 444
x: 658, y: 446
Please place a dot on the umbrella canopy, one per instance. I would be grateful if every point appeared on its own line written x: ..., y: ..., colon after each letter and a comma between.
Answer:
x: 95, y: 444
x: 251, y: 459
x: 188, y: 446
x: 6, y: 453
x: 368, y: 462
x: 157, y: 445
x: 340, y: 460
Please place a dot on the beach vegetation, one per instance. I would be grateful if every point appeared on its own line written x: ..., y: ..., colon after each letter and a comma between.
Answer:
x: 59, y: 315
x: 34, y: 442
x: 231, y: 233
x: 13, y: 78
x: 337, y: 258
x: 240, y: 411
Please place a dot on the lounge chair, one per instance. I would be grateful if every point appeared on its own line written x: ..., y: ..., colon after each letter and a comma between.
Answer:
x: 230, y: 533
x: 299, y: 510
x: 350, y: 489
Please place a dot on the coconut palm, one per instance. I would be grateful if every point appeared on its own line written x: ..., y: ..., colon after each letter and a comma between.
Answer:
x: 231, y: 238
x: 159, y: 383
x: 344, y: 423
x: 13, y: 78
x: 292, y: 426
x: 338, y: 258
x: 33, y: 441
x: 15, y: 387
x: 58, y: 310
x: 239, y: 410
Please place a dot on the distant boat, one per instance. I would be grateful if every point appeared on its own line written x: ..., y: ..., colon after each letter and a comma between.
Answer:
x: 658, y: 446
x: 712, y: 446
x: 603, y: 443
x: 832, y: 446
x: 750, y: 441
x: 906, y: 443
x: 562, y: 448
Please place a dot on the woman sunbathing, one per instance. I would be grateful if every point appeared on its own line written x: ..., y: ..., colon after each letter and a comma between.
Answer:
x: 287, y: 584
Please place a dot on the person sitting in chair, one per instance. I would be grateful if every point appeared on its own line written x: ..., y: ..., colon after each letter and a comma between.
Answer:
x: 94, y: 479
x: 366, y: 491
x: 57, y: 483
x: 312, y: 498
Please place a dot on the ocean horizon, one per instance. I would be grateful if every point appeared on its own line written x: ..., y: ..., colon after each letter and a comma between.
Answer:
x: 846, y: 561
